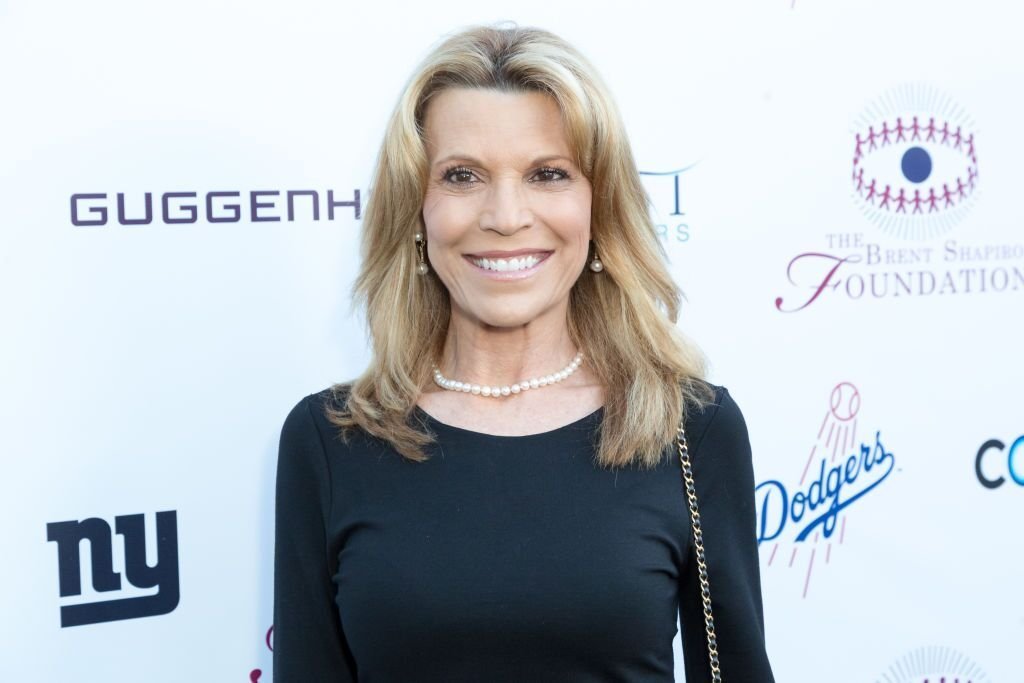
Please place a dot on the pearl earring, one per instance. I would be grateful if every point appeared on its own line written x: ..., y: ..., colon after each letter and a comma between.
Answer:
x: 421, y: 268
x: 596, y: 264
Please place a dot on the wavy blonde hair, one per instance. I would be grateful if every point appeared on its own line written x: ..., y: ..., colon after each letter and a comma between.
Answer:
x: 623, y: 319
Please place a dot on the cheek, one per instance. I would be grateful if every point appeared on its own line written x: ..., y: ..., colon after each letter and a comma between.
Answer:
x: 572, y: 221
x: 444, y: 220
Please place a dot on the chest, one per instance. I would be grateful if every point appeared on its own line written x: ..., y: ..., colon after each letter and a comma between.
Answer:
x: 511, y: 548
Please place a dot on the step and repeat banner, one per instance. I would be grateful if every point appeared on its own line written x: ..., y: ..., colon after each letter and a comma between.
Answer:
x: 837, y: 186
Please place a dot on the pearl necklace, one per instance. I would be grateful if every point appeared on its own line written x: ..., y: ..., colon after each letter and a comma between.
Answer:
x: 515, y: 388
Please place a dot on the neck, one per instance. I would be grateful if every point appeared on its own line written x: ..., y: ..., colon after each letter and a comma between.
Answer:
x: 484, y: 354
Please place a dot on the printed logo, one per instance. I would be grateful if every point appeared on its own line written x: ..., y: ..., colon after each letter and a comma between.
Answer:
x: 934, y: 665
x: 914, y: 176
x: 254, y: 675
x: 264, y: 206
x: 1012, y: 457
x: 162, y: 575
x: 837, y: 474
x: 915, y: 166
x: 669, y: 219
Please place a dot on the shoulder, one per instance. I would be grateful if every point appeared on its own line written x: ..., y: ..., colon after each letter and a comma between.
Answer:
x: 334, y: 396
x: 314, y: 420
x: 308, y: 416
x: 298, y: 421
x: 700, y: 416
x: 320, y: 403
x: 718, y: 430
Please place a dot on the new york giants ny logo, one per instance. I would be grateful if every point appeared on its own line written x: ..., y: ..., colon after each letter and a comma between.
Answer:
x: 163, y: 574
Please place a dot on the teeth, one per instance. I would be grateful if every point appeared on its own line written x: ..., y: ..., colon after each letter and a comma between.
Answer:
x: 508, y: 265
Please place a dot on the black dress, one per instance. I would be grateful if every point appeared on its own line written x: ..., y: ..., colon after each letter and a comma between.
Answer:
x: 510, y: 558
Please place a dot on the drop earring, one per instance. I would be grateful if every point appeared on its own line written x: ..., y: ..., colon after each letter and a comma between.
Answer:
x: 421, y: 268
x: 596, y: 264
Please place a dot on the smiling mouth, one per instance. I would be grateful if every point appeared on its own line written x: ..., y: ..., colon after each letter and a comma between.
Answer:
x: 511, y: 264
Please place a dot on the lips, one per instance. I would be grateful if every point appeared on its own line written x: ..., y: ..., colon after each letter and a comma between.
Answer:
x: 508, y: 254
x: 512, y: 265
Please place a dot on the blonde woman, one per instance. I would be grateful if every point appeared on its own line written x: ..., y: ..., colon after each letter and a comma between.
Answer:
x: 498, y: 496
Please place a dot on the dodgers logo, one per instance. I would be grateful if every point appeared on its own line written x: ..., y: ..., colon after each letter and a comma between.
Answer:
x: 837, y: 475
x: 934, y: 665
x: 915, y: 162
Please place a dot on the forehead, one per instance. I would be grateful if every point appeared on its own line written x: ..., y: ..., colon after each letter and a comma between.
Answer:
x: 488, y: 123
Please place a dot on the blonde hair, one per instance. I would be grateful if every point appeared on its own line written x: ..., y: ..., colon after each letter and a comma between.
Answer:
x: 623, y: 319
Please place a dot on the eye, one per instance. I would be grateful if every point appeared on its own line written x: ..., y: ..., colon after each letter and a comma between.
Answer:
x: 547, y: 170
x: 460, y: 175
x: 915, y: 164
x: 456, y: 171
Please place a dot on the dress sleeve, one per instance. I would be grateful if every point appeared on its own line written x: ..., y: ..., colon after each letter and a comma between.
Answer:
x: 723, y: 476
x: 308, y: 641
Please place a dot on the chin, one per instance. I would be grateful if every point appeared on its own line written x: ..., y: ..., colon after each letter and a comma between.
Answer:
x: 509, y: 319
x: 508, y: 316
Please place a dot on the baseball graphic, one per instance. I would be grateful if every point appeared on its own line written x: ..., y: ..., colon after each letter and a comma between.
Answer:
x: 844, y: 402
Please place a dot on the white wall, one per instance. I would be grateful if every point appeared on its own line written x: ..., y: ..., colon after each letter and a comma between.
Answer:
x: 148, y: 368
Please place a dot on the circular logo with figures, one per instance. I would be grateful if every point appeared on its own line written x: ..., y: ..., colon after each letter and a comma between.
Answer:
x: 934, y: 665
x: 915, y: 162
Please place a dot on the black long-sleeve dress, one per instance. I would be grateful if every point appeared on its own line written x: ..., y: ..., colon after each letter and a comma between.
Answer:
x: 510, y: 558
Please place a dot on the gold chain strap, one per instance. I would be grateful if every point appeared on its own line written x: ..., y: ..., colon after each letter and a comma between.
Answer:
x: 698, y: 542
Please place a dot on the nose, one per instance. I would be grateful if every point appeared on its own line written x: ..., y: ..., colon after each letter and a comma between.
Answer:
x: 506, y: 209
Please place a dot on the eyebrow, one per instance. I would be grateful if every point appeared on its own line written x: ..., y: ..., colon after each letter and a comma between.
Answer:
x: 473, y: 160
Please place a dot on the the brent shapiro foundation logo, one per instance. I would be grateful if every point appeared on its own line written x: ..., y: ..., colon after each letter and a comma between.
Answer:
x: 934, y: 665
x: 800, y: 523
x: 914, y: 174
x: 915, y: 162
x: 161, y: 575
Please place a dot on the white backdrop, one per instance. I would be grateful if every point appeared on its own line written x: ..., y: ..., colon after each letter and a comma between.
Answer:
x: 148, y: 368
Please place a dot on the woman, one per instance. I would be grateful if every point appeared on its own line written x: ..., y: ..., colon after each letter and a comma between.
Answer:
x: 498, y: 497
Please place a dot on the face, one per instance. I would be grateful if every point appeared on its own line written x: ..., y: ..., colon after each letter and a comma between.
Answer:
x: 506, y: 211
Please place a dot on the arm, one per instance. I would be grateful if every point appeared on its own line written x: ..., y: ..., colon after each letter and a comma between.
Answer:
x: 308, y: 641
x: 723, y: 475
